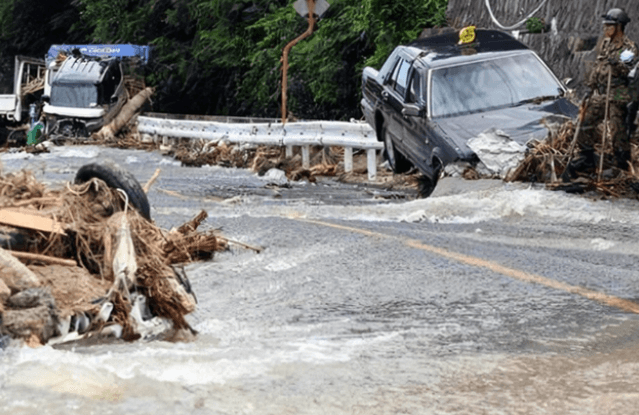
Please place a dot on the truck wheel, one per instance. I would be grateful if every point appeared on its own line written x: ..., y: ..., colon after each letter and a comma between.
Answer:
x: 117, y: 178
x: 398, y: 163
x: 19, y: 137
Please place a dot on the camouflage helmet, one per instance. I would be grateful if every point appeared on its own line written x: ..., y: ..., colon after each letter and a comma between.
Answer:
x: 616, y: 16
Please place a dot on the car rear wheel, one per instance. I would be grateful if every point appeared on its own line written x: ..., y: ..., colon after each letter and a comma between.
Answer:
x: 396, y: 160
x: 118, y: 178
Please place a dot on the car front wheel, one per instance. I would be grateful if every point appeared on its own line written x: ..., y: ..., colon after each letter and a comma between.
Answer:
x: 426, y: 185
x: 396, y: 160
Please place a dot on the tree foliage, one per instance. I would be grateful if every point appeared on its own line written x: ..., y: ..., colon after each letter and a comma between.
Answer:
x: 224, y: 56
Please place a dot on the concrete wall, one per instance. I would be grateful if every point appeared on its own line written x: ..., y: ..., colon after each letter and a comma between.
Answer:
x: 576, y: 23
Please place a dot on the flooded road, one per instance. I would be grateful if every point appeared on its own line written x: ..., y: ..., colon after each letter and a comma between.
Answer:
x: 485, y: 298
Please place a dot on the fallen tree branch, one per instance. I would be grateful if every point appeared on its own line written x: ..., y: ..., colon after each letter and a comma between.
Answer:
x: 247, y: 246
x: 152, y: 180
x: 26, y: 256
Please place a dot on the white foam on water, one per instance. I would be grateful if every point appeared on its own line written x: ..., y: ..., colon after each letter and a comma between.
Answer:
x: 499, y: 202
x: 15, y: 156
x: 75, y: 152
x: 482, y: 206
x: 170, y: 162
x: 244, y: 352
x: 599, y: 244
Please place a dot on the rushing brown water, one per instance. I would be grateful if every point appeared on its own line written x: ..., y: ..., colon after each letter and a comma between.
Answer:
x: 327, y: 320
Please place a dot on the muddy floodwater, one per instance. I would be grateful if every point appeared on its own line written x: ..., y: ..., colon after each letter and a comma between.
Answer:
x: 487, y: 298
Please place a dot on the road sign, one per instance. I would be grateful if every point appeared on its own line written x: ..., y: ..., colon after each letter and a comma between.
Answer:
x: 301, y: 7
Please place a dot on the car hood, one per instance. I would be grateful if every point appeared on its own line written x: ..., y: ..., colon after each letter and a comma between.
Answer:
x: 522, y: 123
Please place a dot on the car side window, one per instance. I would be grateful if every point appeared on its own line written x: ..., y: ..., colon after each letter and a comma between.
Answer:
x: 393, y: 78
x: 402, y: 77
x: 415, y: 89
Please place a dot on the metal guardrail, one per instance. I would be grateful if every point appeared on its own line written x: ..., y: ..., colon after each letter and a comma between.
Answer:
x: 302, y: 134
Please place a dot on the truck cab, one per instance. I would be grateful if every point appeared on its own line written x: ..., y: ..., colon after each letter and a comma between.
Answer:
x: 28, y: 78
x: 83, y: 94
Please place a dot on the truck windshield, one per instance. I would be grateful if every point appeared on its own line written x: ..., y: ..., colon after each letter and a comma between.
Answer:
x: 491, y: 84
x: 74, y: 95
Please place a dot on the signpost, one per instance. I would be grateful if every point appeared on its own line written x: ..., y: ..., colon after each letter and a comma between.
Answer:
x: 302, y: 8
x: 308, y: 9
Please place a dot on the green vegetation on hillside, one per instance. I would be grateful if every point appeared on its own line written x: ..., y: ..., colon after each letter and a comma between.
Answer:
x: 223, y: 56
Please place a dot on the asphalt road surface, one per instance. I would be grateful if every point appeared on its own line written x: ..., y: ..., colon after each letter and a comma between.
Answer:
x: 485, y: 298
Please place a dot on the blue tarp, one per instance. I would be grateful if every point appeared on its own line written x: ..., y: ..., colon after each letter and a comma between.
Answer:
x: 102, y: 51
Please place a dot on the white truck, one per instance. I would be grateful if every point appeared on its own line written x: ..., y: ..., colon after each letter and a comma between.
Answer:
x: 15, y: 108
x: 71, y: 93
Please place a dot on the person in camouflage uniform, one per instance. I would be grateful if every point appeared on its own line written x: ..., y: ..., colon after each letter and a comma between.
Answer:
x: 618, y: 54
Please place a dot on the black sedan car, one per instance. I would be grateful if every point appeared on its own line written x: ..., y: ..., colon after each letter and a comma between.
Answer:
x: 430, y: 97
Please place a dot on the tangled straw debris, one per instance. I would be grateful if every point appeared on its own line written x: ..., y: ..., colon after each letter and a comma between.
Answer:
x: 88, y: 300
x: 546, y: 160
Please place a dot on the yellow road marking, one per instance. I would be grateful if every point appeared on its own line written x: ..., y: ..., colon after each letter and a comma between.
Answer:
x: 609, y: 300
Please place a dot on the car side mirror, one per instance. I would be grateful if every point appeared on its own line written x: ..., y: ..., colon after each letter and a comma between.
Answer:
x: 412, y: 110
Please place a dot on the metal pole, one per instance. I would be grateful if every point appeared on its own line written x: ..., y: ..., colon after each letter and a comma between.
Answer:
x: 287, y: 49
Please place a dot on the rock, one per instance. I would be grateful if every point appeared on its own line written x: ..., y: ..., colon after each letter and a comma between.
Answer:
x: 15, y: 274
x: 38, y: 321
x: 32, y: 315
x: 32, y: 297
x: 5, y: 292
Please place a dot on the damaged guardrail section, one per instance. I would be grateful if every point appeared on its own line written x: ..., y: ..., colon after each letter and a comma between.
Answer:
x: 350, y: 135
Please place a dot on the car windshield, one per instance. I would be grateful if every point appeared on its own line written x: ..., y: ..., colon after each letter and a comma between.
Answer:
x: 491, y: 84
x: 74, y: 95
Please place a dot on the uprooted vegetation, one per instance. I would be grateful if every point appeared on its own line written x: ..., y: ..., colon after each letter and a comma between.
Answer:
x: 546, y: 160
x: 79, y: 280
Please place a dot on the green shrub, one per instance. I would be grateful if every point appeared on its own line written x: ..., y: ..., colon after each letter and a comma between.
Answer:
x: 535, y: 25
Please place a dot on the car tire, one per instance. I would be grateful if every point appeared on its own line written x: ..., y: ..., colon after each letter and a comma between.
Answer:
x: 13, y: 240
x: 396, y: 160
x: 117, y: 178
x: 426, y: 185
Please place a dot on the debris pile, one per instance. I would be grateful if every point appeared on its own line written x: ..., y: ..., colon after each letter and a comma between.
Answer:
x: 546, y: 160
x: 80, y: 262
x: 260, y: 159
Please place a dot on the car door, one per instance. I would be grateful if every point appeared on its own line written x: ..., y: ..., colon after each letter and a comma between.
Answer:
x: 417, y: 145
x: 393, y: 98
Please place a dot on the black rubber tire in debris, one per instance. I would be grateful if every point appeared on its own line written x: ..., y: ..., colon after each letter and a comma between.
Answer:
x: 118, y: 178
x: 13, y: 240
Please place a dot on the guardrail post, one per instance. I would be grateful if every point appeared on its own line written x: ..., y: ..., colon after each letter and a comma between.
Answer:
x: 306, y: 157
x: 289, y: 152
x: 348, y: 159
x: 371, y: 157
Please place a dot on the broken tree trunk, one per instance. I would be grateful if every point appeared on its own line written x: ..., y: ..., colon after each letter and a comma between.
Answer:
x: 126, y: 113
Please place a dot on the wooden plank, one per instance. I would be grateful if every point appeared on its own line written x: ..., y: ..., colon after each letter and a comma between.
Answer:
x: 30, y: 220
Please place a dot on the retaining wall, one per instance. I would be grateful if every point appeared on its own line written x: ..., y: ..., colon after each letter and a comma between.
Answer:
x: 574, y: 27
